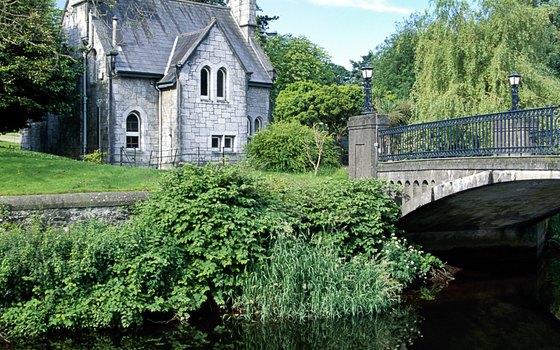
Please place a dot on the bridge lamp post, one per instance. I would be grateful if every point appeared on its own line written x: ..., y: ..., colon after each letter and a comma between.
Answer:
x: 514, y: 80
x: 367, y: 73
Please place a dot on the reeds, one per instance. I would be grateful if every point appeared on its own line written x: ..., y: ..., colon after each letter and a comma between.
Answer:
x: 303, y: 280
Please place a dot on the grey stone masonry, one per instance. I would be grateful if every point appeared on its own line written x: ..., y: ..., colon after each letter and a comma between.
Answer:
x: 66, y: 209
x: 363, y: 144
x: 202, y: 117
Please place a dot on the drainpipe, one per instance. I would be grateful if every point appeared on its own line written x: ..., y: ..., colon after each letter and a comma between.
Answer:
x: 87, y: 41
x: 112, y: 68
x: 160, y: 118
x: 84, y: 98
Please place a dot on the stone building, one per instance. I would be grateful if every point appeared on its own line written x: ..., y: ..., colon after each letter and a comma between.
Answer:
x: 169, y: 81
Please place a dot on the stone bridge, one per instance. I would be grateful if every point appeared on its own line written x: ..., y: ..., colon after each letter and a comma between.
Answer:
x: 494, y: 177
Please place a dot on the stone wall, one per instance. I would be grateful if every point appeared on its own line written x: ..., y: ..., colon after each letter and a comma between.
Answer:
x: 67, y: 209
x: 201, y: 117
x: 138, y: 96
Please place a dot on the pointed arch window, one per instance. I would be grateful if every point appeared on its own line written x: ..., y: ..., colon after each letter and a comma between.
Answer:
x: 221, y: 80
x: 249, y: 126
x: 258, y: 124
x: 133, y: 131
x: 205, y: 82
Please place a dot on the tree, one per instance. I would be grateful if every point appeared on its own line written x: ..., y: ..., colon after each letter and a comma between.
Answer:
x: 465, y: 54
x: 297, y: 59
x: 311, y: 103
x: 37, y: 67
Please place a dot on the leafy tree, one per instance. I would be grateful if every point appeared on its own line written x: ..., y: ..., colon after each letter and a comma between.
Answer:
x: 37, y: 67
x: 465, y: 54
x: 297, y: 59
x: 311, y: 103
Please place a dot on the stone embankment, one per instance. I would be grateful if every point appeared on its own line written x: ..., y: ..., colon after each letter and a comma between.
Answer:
x: 66, y: 209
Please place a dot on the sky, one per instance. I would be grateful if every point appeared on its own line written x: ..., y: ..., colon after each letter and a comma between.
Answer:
x: 346, y: 29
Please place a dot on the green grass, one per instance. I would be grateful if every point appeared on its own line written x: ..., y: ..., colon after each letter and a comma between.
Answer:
x: 306, y: 178
x: 25, y: 172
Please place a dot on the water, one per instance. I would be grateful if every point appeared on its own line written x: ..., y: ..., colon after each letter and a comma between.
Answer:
x: 487, y: 311
x: 490, y: 305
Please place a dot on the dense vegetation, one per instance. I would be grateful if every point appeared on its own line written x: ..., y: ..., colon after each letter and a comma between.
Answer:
x: 292, y: 147
x: 37, y: 67
x: 206, y: 236
x: 455, y: 59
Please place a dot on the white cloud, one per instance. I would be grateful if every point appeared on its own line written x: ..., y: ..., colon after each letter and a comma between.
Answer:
x: 371, y: 5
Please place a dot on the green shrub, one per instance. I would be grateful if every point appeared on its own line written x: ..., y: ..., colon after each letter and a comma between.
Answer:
x: 282, y: 147
x: 302, y: 280
x: 222, y: 218
x: 92, y: 276
x: 355, y: 215
x: 95, y: 157
x: 359, y: 217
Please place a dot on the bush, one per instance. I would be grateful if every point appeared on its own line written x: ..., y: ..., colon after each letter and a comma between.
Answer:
x: 359, y: 217
x: 282, y: 147
x: 222, y: 218
x: 95, y: 157
x: 92, y: 276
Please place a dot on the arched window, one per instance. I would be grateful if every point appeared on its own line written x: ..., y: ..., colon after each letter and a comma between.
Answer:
x: 258, y: 124
x: 249, y: 126
x: 205, y: 82
x: 133, y: 131
x: 221, y: 83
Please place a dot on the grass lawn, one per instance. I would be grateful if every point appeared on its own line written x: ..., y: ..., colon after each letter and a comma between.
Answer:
x: 307, y: 178
x: 25, y: 172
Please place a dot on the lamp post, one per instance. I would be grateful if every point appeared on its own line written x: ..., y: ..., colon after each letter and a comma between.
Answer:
x: 514, y: 80
x: 367, y: 73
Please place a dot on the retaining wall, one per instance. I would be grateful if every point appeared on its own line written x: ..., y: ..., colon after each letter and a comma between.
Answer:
x: 67, y: 209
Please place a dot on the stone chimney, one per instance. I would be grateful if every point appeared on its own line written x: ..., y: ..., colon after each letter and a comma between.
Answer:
x: 245, y: 14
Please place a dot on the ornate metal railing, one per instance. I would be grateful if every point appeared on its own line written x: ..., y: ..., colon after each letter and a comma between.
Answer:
x: 522, y: 132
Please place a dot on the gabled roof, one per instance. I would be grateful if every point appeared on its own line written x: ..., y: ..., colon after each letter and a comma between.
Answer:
x: 168, y: 31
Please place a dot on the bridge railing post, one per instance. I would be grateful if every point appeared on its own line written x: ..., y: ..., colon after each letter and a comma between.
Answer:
x: 364, y: 143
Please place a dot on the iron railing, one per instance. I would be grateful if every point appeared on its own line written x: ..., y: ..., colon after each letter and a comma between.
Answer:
x: 521, y: 132
x: 176, y: 157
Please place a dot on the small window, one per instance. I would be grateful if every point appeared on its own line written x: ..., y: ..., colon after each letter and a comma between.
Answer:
x: 249, y: 126
x: 258, y: 124
x: 204, y: 81
x: 216, y: 142
x: 221, y: 84
x: 228, y: 143
x: 132, y: 131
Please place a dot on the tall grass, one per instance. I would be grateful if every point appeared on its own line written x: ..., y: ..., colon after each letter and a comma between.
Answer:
x: 307, y: 281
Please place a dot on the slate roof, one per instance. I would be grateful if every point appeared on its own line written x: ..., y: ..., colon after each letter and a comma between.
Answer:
x: 146, y: 41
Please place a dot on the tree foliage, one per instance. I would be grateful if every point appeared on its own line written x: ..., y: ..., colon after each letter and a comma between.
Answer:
x: 311, y: 103
x: 393, y: 61
x: 297, y: 59
x: 465, y: 54
x: 37, y: 67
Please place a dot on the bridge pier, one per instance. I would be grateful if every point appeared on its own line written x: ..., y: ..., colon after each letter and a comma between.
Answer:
x: 363, y: 144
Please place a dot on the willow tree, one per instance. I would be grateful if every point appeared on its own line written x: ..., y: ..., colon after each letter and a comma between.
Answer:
x: 465, y: 54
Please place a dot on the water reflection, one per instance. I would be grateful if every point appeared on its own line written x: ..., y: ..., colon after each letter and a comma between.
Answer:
x: 393, y: 330
x: 388, y: 331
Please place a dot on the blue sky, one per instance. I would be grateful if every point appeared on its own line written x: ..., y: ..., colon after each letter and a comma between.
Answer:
x: 346, y: 29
